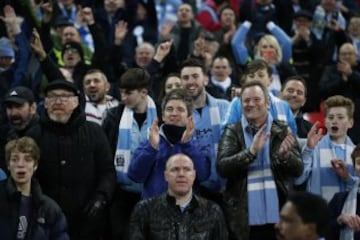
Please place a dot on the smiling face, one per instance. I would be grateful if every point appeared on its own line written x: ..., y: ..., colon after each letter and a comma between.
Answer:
x: 175, y: 113
x: 254, y: 105
x: 294, y: 94
x: 193, y: 81
x: 180, y: 175
x: 337, y: 123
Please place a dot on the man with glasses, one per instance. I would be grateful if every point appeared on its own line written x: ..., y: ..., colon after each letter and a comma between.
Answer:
x: 76, y: 168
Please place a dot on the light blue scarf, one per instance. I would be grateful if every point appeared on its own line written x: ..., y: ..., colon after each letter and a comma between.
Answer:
x: 350, y: 208
x: 263, y: 201
x: 323, y: 179
x: 123, y: 147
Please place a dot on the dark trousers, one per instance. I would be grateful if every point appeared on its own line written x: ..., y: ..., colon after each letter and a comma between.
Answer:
x: 119, y: 214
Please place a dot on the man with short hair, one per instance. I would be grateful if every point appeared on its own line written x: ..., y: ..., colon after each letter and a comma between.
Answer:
x: 144, y: 53
x: 208, y: 114
x: 259, y: 157
x: 179, y: 211
x: 76, y: 168
x: 25, y: 212
x: 294, y: 92
x: 305, y: 216
x: 98, y: 102
x: 20, y: 107
x: 220, y: 83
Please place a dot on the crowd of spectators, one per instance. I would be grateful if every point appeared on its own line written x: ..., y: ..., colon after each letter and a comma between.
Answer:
x: 109, y: 90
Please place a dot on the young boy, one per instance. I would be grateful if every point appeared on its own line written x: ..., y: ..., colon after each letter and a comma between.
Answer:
x: 26, y: 213
x: 327, y: 164
x: 259, y: 70
x: 126, y: 126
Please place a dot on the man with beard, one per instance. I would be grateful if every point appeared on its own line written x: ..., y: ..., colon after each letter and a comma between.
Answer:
x: 21, y: 114
x: 98, y: 101
x: 76, y: 169
x: 208, y: 114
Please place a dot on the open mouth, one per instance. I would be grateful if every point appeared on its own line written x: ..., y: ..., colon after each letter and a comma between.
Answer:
x: 21, y: 174
x: 334, y: 129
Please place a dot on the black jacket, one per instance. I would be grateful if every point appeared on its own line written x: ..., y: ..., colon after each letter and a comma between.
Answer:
x: 47, y: 220
x: 75, y: 166
x: 160, y: 218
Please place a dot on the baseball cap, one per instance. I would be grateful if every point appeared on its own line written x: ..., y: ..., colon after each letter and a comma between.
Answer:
x: 19, y: 95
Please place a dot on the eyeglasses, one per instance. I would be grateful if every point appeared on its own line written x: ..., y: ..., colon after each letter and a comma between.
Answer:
x: 61, y: 98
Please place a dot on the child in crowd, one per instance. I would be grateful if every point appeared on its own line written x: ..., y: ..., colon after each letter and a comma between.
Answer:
x: 327, y: 163
x: 26, y: 213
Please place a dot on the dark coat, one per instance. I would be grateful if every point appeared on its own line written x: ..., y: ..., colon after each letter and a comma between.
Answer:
x: 336, y: 205
x: 160, y: 218
x: 47, y: 220
x: 233, y: 162
x: 75, y: 166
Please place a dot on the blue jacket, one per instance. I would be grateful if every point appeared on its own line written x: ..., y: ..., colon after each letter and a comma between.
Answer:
x: 48, y: 222
x: 148, y: 164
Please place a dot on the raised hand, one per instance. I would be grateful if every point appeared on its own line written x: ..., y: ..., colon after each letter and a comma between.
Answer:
x: 87, y: 16
x: 163, y: 50
x: 47, y: 9
x: 36, y: 45
x: 154, y: 137
x: 10, y: 20
x: 121, y: 29
x: 189, y: 131
x: 259, y: 140
x: 314, y: 135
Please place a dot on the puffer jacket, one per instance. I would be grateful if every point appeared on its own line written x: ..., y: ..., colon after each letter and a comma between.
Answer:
x: 47, y: 220
x: 233, y: 162
x: 160, y: 218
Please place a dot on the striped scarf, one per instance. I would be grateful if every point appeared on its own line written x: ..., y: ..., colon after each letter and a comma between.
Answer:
x: 123, y: 147
x: 263, y: 201
x: 349, y: 207
x: 323, y: 179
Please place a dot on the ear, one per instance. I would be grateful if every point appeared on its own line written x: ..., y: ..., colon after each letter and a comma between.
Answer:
x: 35, y: 168
x: 107, y: 86
x: 33, y: 108
x: 351, y: 122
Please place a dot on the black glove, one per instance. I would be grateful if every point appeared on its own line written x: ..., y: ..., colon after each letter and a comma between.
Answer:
x: 95, y: 206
